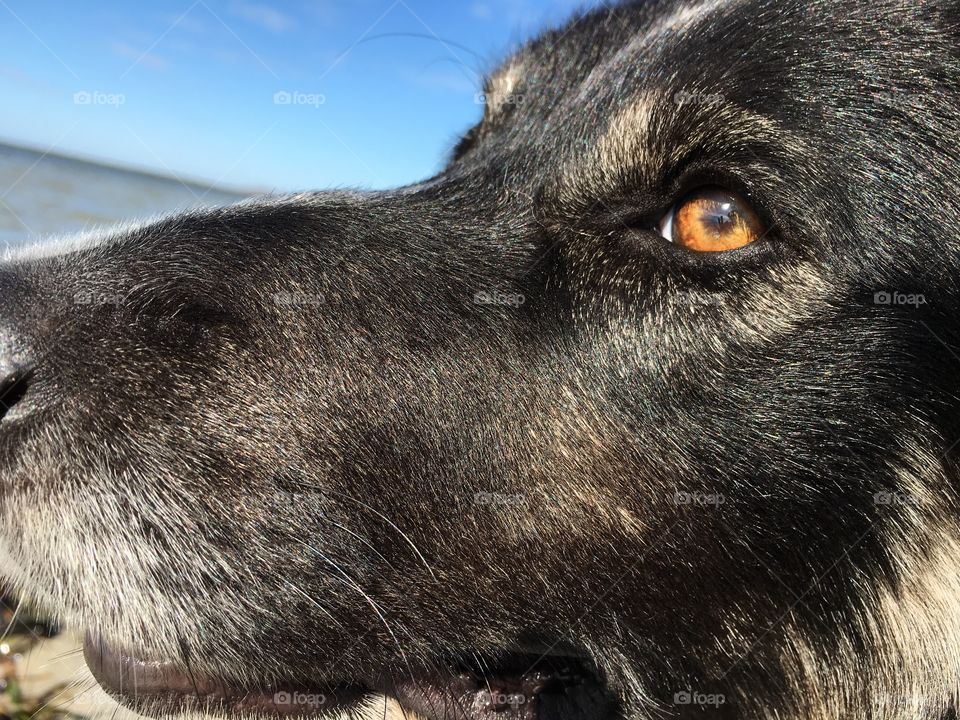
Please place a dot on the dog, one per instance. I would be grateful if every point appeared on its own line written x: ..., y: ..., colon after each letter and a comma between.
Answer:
x: 644, y: 406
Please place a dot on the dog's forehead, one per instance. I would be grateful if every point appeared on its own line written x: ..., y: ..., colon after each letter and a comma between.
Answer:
x: 614, y: 69
x: 760, y: 54
x: 610, y: 78
x: 643, y: 83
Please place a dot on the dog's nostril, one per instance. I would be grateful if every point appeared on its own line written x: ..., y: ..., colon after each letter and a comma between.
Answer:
x: 14, y: 383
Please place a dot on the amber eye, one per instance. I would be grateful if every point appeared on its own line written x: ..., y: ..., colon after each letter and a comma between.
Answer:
x: 712, y: 219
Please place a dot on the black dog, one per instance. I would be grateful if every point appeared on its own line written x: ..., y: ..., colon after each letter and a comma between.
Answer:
x: 643, y: 407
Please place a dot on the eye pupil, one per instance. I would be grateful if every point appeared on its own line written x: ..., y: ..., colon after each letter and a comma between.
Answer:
x: 713, y: 219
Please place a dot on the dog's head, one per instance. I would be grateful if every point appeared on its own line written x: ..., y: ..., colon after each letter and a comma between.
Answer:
x: 645, y: 404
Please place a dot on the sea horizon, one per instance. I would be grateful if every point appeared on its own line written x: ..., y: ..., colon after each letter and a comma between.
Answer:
x: 44, y: 193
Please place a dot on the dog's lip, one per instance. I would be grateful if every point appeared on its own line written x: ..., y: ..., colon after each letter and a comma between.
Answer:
x: 163, y: 687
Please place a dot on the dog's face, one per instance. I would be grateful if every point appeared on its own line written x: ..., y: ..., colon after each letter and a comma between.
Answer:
x: 643, y: 405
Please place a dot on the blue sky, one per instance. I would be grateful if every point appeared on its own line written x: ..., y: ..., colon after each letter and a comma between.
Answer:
x: 266, y: 95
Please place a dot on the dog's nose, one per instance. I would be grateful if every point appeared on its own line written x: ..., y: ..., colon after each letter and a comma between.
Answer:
x: 16, y: 371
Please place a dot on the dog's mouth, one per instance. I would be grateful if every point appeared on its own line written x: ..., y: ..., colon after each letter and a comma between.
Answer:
x: 514, y: 687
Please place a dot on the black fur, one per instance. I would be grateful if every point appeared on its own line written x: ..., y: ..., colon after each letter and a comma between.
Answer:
x: 294, y: 424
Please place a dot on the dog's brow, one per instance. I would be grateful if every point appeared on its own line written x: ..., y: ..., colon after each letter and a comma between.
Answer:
x: 626, y: 134
x: 684, y: 16
x: 622, y: 146
x: 638, y: 142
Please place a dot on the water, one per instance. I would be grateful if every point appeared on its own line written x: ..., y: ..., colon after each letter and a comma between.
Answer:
x: 42, y: 195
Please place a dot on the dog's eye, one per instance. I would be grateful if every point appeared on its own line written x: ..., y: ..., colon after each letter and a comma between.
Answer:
x: 712, y: 219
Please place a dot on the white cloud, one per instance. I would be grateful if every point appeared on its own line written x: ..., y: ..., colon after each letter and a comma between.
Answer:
x: 139, y: 57
x: 481, y: 11
x: 265, y: 16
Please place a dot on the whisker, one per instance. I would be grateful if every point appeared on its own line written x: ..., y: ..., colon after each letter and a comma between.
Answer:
x: 324, y: 610
x: 350, y: 582
x: 387, y: 520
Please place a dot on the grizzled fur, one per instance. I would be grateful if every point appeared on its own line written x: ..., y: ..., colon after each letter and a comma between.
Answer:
x: 327, y: 436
